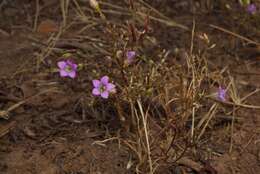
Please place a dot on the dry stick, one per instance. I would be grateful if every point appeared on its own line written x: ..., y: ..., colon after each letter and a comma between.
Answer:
x: 232, y: 130
x: 192, y: 36
x: 78, y: 8
x: 193, y: 80
x: 250, y: 94
x: 100, y: 49
x: 64, y: 10
x: 7, y: 128
x: 116, y: 12
x: 102, y: 143
x: 166, y: 22
x: 163, y: 16
x: 247, y: 144
x: 62, y: 6
x: 133, y: 149
x: 154, y: 10
x: 233, y: 90
x: 237, y: 104
x: 113, y: 6
x: 234, y: 34
x: 244, y: 98
x: 144, y: 119
x: 35, y: 41
x: 211, y: 110
x: 87, y: 27
x: 36, y: 15
x: 118, y: 9
x: 235, y: 98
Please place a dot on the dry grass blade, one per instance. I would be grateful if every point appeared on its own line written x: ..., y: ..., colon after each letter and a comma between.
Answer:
x: 170, y: 23
x: 193, y: 79
x: 207, y: 117
x: 234, y: 34
x: 163, y: 19
x: 64, y: 9
x: 80, y: 11
x: 102, y: 143
x: 144, y: 119
x: 236, y: 104
x: 36, y: 15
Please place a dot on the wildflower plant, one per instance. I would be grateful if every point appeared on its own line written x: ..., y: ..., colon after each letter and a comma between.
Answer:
x: 157, y: 86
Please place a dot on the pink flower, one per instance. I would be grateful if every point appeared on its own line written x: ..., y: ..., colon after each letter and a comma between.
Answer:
x: 251, y: 8
x: 130, y: 55
x: 222, y: 94
x: 67, y: 68
x: 102, y: 87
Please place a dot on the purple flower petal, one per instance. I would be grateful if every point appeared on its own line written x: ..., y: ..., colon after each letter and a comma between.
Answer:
x: 62, y: 64
x: 63, y: 73
x: 105, y: 94
x: 222, y: 94
x: 104, y: 80
x: 130, y: 54
x: 251, y: 8
x: 110, y: 87
x: 69, y: 61
x: 74, y: 67
x: 95, y: 91
x: 72, y: 64
x: 222, y: 98
x: 72, y: 74
x: 96, y: 83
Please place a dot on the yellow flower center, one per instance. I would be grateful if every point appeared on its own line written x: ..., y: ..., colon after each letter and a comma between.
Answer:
x: 102, y: 88
x: 68, y: 69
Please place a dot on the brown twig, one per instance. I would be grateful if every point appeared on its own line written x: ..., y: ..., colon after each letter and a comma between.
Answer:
x: 234, y: 34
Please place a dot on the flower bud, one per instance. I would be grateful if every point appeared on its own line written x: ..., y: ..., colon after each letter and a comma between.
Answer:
x: 94, y: 4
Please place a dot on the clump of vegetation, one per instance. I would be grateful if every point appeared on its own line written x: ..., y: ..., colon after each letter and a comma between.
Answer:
x: 157, y: 101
